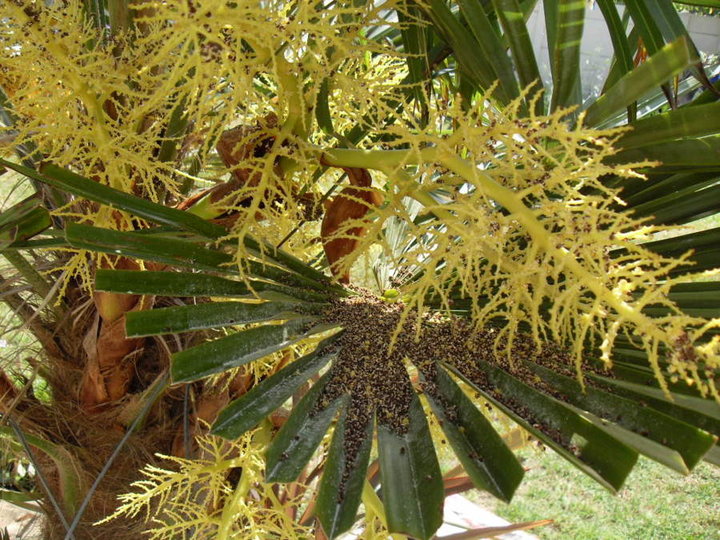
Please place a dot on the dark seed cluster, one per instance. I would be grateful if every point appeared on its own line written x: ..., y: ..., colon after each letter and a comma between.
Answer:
x: 371, y: 364
x: 366, y: 369
x: 481, y: 347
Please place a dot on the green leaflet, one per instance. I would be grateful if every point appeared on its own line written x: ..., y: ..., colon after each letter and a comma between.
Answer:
x: 697, y: 295
x: 186, y: 254
x: 480, y: 69
x: 694, y: 155
x: 295, y: 443
x: 623, y: 51
x: 22, y: 221
x: 486, y: 459
x: 683, y: 206
x: 239, y: 348
x: 642, y: 17
x: 247, y: 411
x: 285, y: 276
x: 285, y: 259
x: 587, y: 446
x: 684, y: 122
x: 621, y: 46
x: 512, y: 19
x: 702, y: 3
x: 416, y: 39
x: 489, y: 45
x: 341, y: 486
x: 565, y: 53
x: 168, y: 283
x: 658, y: 69
x: 174, y: 133
x: 705, y: 246
x: 412, y: 486
x: 150, y: 248
x: 156, y: 213
x: 688, y: 441
x: 93, y: 191
x: 208, y: 315
x: 322, y: 108
x: 196, y: 284
x: 662, y: 185
x: 703, y: 413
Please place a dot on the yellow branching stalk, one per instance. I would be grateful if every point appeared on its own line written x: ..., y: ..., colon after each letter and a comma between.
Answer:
x: 522, y: 224
x: 524, y: 229
x: 196, y: 493
x: 104, y: 109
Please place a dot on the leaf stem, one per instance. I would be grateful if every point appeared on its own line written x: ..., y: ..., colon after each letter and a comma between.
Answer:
x: 34, y: 278
x: 260, y: 440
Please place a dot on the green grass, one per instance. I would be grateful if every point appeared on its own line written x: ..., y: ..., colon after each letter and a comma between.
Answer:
x: 657, y: 504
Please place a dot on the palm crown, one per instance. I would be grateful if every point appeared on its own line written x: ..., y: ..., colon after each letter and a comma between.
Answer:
x: 518, y: 237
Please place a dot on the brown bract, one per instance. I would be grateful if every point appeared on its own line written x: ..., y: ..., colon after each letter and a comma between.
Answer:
x: 352, y: 204
x: 237, y: 147
x: 108, y: 371
x: 241, y: 149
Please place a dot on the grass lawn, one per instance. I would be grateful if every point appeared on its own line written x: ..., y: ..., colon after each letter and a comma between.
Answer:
x: 657, y: 503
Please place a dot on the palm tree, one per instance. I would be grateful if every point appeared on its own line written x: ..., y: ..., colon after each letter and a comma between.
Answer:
x: 527, y: 254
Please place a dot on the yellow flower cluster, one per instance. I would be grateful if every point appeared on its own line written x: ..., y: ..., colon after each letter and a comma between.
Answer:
x: 515, y: 217
x: 517, y: 225
x: 143, y: 110
x: 196, y: 493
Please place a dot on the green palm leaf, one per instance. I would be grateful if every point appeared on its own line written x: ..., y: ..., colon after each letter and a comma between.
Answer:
x: 249, y: 410
x: 600, y: 430
x: 511, y: 17
x: 359, y: 388
x: 568, y: 18
x: 295, y: 443
x: 556, y: 411
x: 410, y: 475
x: 341, y: 486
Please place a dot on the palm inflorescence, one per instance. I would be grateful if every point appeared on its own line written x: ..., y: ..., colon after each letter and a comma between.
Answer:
x: 415, y: 229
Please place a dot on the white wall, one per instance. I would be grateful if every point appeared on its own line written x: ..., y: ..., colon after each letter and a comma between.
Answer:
x: 596, y: 49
